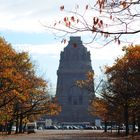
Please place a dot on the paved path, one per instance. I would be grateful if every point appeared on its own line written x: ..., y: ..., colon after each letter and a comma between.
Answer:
x: 61, y: 135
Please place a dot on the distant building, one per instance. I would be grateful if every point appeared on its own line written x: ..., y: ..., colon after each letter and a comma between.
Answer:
x: 75, y: 62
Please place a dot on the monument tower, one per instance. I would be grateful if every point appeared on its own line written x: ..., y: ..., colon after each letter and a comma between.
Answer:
x: 75, y: 62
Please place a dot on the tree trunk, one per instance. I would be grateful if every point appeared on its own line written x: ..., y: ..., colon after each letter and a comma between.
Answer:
x: 105, y: 130
x: 134, y: 123
x: 20, y: 124
x: 10, y: 127
x: 17, y: 124
x: 111, y: 126
x: 126, y: 119
x: 138, y: 123
x: 119, y: 129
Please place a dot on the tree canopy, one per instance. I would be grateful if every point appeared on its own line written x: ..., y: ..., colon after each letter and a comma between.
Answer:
x: 121, y: 91
x: 23, y: 94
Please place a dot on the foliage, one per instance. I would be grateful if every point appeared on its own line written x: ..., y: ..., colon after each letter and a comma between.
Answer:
x: 124, y: 75
x: 121, y: 91
x: 109, y: 20
x: 98, y: 107
x: 22, y: 93
x: 88, y: 83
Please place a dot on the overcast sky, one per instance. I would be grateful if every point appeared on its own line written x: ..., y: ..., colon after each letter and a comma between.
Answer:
x: 21, y: 26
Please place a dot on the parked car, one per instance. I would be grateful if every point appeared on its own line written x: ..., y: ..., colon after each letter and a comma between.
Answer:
x: 89, y: 127
x: 31, y: 127
x: 59, y: 127
x: 13, y: 128
x: 99, y: 127
x: 51, y: 127
x: 40, y: 128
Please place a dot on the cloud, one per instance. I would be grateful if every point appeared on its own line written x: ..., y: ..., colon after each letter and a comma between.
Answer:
x: 25, y: 15
x: 109, y: 52
x: 53, y: 49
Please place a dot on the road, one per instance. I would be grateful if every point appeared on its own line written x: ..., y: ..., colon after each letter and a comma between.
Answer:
x: 61, y: 135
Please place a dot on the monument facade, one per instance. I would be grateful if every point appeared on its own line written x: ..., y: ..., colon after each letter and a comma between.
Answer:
x: 74, y: 63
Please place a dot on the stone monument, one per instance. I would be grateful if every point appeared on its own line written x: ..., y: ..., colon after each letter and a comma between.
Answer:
x: 75, y: 62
